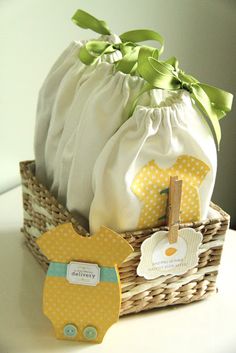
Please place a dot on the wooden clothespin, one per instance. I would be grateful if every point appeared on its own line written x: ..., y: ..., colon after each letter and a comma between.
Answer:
x: 173, y: 208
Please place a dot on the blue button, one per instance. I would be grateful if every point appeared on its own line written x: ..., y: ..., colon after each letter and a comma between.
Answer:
x: 90, y: 333
x: 70, y: 330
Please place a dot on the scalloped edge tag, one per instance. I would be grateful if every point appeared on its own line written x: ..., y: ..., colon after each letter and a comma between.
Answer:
x: 160, y: 258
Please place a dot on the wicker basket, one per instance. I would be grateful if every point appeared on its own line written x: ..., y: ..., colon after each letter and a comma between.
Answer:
x: 42, y: 212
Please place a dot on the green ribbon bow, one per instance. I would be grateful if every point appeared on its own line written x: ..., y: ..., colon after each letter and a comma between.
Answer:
x: 128, y: 47
x: 144, y: 61
x: 212, y: 101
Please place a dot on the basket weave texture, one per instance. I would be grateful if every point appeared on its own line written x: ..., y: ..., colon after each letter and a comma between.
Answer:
x: 42, y: 212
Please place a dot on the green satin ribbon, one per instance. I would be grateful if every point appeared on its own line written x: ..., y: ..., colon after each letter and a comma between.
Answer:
x: 128, y: 47
x: 212, y: 101
x: 85, y: 20
x: 144, y: 61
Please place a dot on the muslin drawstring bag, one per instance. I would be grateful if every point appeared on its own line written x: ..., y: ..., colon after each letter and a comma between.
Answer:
x: 100, y: 114
x: 77, y: 88
x: 89, y: 105
x: 46, y: 99
x: 132, y: 172
x: 56, y: 98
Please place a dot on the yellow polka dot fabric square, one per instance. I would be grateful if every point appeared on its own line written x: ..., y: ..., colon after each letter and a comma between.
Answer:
x: 150, y: 184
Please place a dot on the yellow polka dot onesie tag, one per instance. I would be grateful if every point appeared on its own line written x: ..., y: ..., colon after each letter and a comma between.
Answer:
x: 83, y: 310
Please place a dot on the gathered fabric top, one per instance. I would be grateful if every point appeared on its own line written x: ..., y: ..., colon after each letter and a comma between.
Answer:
x: 142, y: 60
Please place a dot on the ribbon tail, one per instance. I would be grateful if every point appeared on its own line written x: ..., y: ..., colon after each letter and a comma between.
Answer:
x: 203, y: 101
x: 157, y: 74
x: 221, y: 100
x: 85, y: 20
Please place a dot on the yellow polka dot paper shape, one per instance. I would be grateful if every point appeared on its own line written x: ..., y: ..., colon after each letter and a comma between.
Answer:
x: 80, y: 306
x: 160, y: 258
x: 151, y: 182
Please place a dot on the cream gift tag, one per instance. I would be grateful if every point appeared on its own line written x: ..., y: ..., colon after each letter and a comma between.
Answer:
x: 173, y: 252
x: 159, y: 257
x: 83, y: 273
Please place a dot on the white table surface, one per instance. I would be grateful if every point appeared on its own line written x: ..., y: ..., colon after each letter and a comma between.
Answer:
x: 202, y: 327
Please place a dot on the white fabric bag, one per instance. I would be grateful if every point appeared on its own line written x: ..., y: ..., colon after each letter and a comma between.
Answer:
x: 80, y: 108
x: 133, y: 170
x: 100, y: 106
x: 54, y: 104
x: 46, y: 99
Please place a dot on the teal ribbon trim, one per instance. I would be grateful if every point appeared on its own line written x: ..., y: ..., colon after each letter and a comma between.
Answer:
x: 58, y: 269
x: 108, y: 274
x: 144, y: 61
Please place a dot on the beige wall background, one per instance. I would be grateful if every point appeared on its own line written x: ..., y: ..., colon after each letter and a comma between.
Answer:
x: 201, y: 33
